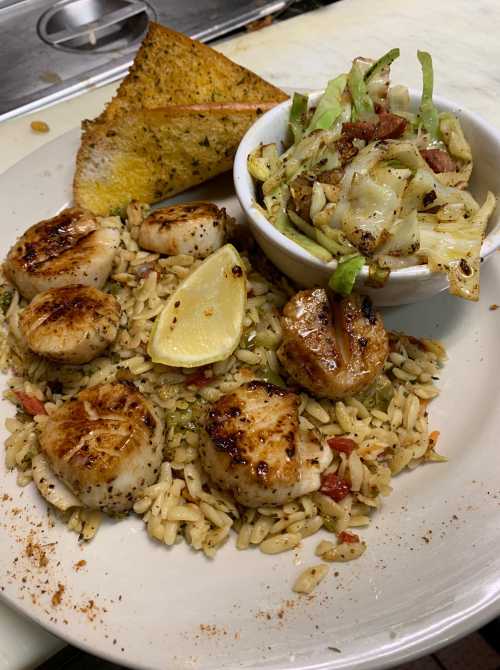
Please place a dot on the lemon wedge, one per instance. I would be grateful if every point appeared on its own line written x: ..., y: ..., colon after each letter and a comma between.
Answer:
x: 202, y: 321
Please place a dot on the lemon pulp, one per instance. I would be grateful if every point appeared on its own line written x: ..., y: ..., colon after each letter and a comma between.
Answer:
x: 202, y: 321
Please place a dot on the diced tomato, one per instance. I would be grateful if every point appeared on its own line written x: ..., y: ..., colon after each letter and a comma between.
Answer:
x: 334, y: 487
x: 433, y: 438
x: 198, y: 379
x: 343, y: 444
x: 347, y: 537
x: 30, y: 404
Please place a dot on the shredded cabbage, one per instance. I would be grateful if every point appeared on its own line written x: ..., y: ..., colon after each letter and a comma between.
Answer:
x: 404, y: 237
x: 407, y: 154
x: 283, y: 224
x: 382, y: 63
x: 329, y: 106
x: 366, y: 159
x: 377, y: 275
x: 399, y: 99
x: 370, y: 214
x: 308, y: 152
x: 333, y: 241
x: 297, y: 115
x: 457, y: 179
x: 275, y: 202
x: 426, y: 192
x: 363, y: 104
x: 336, y: 242
x: 393, y: 177
x: 454, y: 137
x: 263, y: 162
x: 318, y: 199
x: 451, y: 212
x: 397, y: 262
x: 324, y: 219
x: 377, y: 76
x: 301, y: 224
x: 379, y: 198
x: 344, y: 116
x: 343, y: 279
x: 428, y: 115
x: 454, y: 247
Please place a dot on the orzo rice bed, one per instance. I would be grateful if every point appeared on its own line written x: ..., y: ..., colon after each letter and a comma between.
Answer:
x: 387, y: 426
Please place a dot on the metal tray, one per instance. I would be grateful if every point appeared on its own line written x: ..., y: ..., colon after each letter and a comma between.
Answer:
x: 49, y: 51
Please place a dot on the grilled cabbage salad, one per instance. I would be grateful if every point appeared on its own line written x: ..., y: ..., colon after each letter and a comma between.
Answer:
x: 366, y: 180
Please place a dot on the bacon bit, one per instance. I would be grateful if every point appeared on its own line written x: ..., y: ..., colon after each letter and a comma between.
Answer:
x: 198, y: 379
x: 433, y: 438
x: 347, y: 537
x: 438, y: 160
x: 390, y: 126
x: 30, y: 404
x: 342, y: 444
x: 334, y: 487
x: 361, y: 130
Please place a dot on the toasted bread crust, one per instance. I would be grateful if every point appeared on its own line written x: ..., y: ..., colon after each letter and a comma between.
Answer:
x: 175, y: 122
x: 172, y: 69
x: 150, y: 155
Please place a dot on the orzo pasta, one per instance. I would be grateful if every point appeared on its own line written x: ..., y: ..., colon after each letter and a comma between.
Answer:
x: 373, y: 436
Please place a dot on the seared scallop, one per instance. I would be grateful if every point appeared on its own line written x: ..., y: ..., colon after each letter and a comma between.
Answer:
x: 70, y: 248
x: 70, y: 324
x: 332, y: 347
x: 105, y: 445
x: 256, y: 449
x: 194, y: 228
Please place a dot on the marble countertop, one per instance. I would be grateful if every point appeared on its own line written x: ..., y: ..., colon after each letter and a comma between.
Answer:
x: 303, y: 53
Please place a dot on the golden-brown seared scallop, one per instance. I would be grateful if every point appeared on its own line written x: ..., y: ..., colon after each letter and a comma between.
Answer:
x: 105, y: 445
x: 333, y: 348
x: 194, y: 228
x: 70, y: 324
x: 70, y: 248
x: 256, y: 450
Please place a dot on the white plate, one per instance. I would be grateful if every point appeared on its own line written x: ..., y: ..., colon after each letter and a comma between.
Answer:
x: 431, y: 572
